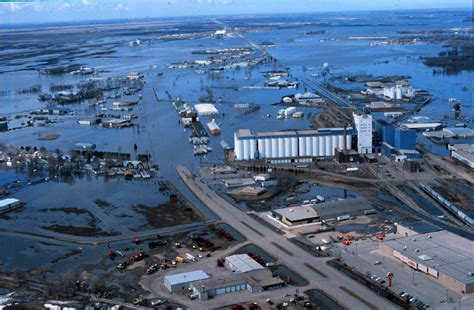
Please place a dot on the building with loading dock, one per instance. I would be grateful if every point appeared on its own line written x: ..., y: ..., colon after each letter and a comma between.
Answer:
x: 254, y: 281
x: 443, y: 256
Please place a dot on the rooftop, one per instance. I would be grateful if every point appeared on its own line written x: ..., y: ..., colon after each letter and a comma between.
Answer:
x: 8, y: 201
x: 243, y: 133
x: 294, y: 214
x: 205, y: 108
x: 442, y: 250
x: 242, y: 263
x: 347, y: 206
x: 253, y: 278
x: 186, y: 277
x: 420, y: 227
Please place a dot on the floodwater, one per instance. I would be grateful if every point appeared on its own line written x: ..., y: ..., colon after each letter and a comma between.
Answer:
x: 158, y: 131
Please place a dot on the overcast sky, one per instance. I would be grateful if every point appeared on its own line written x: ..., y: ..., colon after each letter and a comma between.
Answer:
x: 77, y: 10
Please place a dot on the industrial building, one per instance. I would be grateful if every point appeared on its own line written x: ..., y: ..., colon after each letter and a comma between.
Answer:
x: 290, y: 144
x: 464, y: 153
x: 205, y: 109
x: 411, y: 228
x: 240, y: 263
x: 254, y: 281
x: 181, y: 281
x: 296, y: 215
x: 363, y: 126
x: 443, y: 256
x: 397, y: 143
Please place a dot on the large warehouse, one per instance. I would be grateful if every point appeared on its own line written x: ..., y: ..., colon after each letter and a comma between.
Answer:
x: 445, y: 257
x: 290, y: 144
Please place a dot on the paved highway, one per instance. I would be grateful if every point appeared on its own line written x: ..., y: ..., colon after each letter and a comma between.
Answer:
x: 315, y: 270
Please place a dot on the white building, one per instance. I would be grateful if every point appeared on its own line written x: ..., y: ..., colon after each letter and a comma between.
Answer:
x: 464, y: 153
x: 181, y: 281
x: 205, y: 109
x: 241, y: 263
x: 363, y: 125
x: 290, y: 144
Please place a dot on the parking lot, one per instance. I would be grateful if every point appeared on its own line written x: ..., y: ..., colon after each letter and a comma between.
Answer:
x: 364, y: 256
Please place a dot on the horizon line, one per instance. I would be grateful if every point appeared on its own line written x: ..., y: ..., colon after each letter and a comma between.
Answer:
x: 177, y: 17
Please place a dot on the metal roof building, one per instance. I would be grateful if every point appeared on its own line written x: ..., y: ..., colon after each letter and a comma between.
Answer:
x: 253, y: 281
x: 181, y: 281
x: 296, y: 215
x: 241, y: 263
x: 445, y: 257
x: 205, y: 109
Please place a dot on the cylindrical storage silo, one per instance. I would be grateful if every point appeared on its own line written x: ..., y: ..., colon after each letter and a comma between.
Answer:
x: 274, y: 148
x: 349, y: 142
x: 287, y: 147
x: 238, y: 148
x: 262, y: 151
x: 268, y: 148
x: 281, y: 147
x: 294, y: 147
x: 301, y: 145
x: 246, y: 149
x: 327, y: 145
x: 322, y: 146
x: 314, y: 144
x: 253, y: 148
x: 334, y: 143
x: 340, y: 143
x: 308, y: 146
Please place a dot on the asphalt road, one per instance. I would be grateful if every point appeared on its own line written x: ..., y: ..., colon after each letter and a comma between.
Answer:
x: 319, y: 274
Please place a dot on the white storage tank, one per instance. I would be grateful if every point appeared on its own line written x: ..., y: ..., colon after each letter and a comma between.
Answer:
x: 294, y: 147
x: 328, y: 145
x: 302, y: 145
x: 340, y: 143
x: 315, y: 144
x: 274, y: 147
x: 334, y: 143
x: 262, y: 149
x: 238, y: 148
x: 309, y: 146
x: 268, y: 147
x: 287, y: 147
x: 281, y: 147
x: 253, y: 148
x: 322, y: 148
x: 349, y: 141
x: 246, y: 150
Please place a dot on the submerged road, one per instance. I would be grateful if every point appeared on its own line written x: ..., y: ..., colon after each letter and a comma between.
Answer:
x: 77, y: 240
x: 319, y: 275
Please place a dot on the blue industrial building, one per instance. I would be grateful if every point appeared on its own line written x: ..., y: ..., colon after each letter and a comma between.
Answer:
x: 405, y: 139
x: 385, y: 132
x: 396, y: 141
